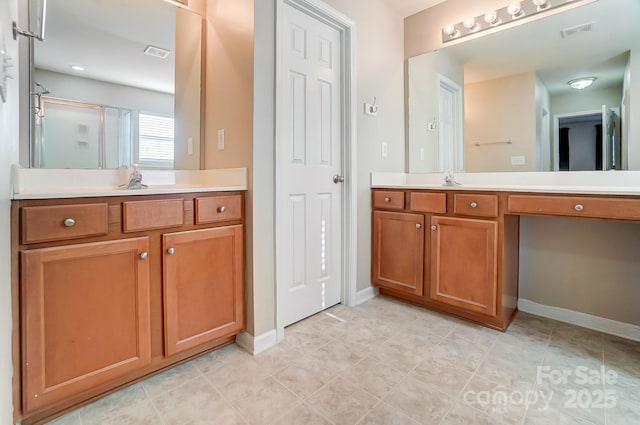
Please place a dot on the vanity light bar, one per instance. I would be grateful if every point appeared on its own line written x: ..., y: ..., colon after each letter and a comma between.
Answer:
x: 494, y: 18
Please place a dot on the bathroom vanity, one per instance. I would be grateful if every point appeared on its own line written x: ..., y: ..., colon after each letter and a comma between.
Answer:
x: 113, y: 285
x: 456, y: 248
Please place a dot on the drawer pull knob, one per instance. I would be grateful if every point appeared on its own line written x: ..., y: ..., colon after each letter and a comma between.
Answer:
x: 69, y: 222
x: 474, y: 205
x: 418, y: 226
x: 387, y: 200
x: 578, y: 207
x: 171, y: 251
x: 434, y: 227
x: 221, y: 209
x: 144, y: 255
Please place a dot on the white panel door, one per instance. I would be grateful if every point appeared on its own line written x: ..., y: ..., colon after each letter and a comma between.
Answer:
x: 309, y: 155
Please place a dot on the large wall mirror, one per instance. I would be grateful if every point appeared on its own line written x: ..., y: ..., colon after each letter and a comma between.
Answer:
x: 502, y: 102
x: 117, y: 82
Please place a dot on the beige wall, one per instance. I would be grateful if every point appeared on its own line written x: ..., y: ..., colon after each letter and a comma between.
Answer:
x: 586, y: 100
x: 228, y: 97
x: 188, y: 80
x: 8, y: 155
x: 583, y: 265
x: 496, y: 111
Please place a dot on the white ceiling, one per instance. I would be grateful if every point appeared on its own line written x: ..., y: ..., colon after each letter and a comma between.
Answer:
x: 107, y: 38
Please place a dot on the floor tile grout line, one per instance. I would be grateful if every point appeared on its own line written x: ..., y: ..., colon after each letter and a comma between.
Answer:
x: 226, y: 400
x: 535, y: 382
x: 455, y: 400
x: 153, y: 405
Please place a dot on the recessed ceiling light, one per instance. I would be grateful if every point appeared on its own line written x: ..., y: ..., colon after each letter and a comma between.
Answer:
x: 77, y: 68
x: 581, y: 83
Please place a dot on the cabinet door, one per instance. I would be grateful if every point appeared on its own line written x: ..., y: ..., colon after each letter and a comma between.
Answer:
x: 203, y: 286
x: 398, y: 251
x: 85, y: 316
x: 464, y: 263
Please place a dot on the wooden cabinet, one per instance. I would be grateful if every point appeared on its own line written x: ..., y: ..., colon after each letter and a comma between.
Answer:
x: 85, y: 317
x: 203, y: 286
x: 448, y: 250
x: 398, y: 251
x: 109, y: 290
x: 464, y: 263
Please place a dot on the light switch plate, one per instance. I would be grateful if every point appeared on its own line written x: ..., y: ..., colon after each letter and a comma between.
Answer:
x: 385, y: 149
x: 221, y: 139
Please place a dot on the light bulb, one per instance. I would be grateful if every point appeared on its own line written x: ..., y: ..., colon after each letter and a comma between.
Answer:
x: 450, y: 30
x: 491, y: 18
x: 515, y: 10
x: 470, y: 24
x: 541, y: 4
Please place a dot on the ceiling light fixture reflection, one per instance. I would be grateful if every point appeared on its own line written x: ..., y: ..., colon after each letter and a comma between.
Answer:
x: 77, y: 68
x: 492, y: 18
x: 581, y: 83
x: 513, y: 11
x: 541, y: 4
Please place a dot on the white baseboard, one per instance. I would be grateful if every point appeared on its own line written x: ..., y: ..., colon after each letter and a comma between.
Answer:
x: 366, y: 294
x: 621, y: 329
x: 257, y: 344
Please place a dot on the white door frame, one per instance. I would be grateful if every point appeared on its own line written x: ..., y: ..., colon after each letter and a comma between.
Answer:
x: 346, y: 27
x: 457, y: 148
x: 556, y: 128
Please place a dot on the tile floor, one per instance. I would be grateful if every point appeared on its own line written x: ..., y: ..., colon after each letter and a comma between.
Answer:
x: 389, y: 363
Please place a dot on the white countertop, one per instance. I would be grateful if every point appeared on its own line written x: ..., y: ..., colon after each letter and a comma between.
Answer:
x: 575, y: 182
x: 34, y: 183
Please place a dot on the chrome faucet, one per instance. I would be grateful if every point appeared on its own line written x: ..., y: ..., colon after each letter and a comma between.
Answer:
x: 135, y: 179
x: 449, y: 179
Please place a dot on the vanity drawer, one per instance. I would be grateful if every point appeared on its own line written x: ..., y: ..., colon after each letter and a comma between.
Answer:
x: 475, y: 205
x: 60, y: 222
x: 428, y: 202
x: 148, y: 215
x: 388, y: 199
x: 576, y: 206
x: 218, y: 208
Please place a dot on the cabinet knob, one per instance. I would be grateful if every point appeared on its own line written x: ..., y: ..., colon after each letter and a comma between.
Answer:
x: 434, y: 227
x: 144, y: 255
x: 171, y: 251
x: 418, y: 226
x: 387, y: 200
x: 474, y: 205
x: 221, y: 209
x: 578, y: 207
x: 69, y: 222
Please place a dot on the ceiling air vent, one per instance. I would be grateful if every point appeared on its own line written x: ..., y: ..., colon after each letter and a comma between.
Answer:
x: 578, y: 29
x: 157, y: 52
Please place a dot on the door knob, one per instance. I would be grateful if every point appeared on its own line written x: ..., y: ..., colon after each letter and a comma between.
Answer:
x: 171, y: 251
x: 222, y: 209
x: 418, y: 226
x: 434, y: 227
x: 338, y: 179
x: 474, y: 205
x: 69, y: 222
x: 578, y: 207
x: 144, y: 255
